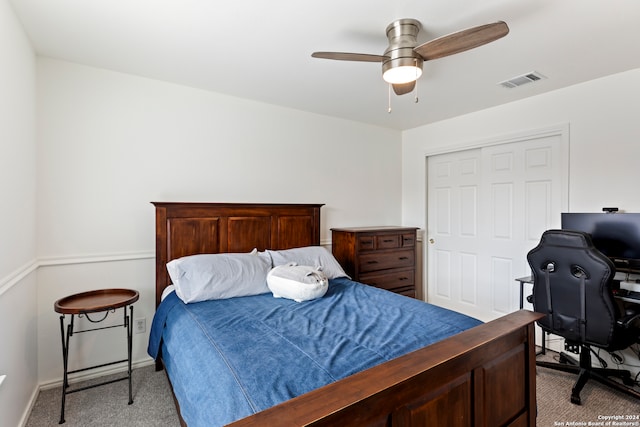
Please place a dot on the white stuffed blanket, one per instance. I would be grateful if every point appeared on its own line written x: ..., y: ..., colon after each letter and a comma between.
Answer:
x: 297, y: 282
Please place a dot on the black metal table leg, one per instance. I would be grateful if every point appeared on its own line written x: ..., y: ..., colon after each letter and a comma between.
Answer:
x: 129, y: 325
x: 65, y: 361
x: 65, y: 340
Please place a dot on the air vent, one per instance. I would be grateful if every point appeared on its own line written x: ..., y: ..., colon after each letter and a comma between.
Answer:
x: 524, y: 79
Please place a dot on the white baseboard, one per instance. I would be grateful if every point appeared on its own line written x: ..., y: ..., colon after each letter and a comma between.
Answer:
x: 29, y: 408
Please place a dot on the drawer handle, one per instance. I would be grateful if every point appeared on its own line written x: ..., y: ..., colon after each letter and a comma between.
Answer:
x: 372, y: 262
x: 388, y: 240
x: 403, y: 258
x: 404, y: 278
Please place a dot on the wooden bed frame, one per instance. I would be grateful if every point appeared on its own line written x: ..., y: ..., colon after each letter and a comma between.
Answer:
x: 484, y: 376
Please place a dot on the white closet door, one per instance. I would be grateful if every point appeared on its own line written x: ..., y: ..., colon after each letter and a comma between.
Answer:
x: 487, y: 207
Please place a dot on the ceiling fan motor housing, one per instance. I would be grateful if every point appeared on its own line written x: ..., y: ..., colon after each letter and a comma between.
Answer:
x: 402, y: 35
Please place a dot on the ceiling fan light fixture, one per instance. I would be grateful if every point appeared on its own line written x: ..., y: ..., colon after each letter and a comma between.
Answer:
x: 402, y: 74
x: 402, y: 67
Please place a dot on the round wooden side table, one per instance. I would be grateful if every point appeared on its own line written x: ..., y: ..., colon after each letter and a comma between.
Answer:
x: 103, y: 301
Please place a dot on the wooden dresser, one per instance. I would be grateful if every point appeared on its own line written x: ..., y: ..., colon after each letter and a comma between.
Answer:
x: 384, y: 257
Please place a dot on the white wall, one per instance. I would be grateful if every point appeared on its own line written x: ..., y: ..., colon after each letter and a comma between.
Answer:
x: 18, y: 310
x: 604, y: 142
x: 110, y: 143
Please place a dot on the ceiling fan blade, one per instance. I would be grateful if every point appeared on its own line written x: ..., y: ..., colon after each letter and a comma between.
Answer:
x: 344, y: 56
x: 403, y: 88
x: 462, y: 40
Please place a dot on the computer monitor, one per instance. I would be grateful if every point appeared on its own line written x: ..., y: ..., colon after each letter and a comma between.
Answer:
x: 617, y: 235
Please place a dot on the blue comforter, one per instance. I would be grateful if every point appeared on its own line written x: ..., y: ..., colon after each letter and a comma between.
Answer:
x: 228, y: 359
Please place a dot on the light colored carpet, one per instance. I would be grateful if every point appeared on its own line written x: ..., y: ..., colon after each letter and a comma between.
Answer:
x: 153, y: 405
x: 106, y: 406
x: 555, y: 409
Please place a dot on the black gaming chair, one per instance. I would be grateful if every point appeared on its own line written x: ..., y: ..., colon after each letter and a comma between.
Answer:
x: 572, y: 286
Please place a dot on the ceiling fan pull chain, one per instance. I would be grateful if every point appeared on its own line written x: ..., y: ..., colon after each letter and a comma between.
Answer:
x: 389, y: 100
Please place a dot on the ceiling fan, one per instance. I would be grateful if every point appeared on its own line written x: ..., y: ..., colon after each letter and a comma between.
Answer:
x: 402, y: 60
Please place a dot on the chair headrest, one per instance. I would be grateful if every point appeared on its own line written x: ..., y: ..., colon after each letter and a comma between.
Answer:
x: 566, y: 238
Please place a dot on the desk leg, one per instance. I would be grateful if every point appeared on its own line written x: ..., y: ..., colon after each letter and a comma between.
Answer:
x: 521, y: 295
x: 544, y: 339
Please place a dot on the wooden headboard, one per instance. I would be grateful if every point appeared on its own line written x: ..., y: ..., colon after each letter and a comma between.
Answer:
x: 194, y: 228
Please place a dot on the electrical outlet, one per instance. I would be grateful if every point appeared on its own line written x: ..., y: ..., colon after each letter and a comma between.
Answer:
x: 140, y: 325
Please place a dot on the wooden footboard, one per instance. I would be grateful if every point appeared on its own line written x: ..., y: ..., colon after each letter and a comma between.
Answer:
x: 484, y: 376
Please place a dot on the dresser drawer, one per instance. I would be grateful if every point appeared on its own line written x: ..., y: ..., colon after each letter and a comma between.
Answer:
x: 367, y: 243
x: 409, y: 240
x: 407, y: 292
x: 384, y: 260
x: 389, y: 241
x: 385, y: 241
x: 395, y: 280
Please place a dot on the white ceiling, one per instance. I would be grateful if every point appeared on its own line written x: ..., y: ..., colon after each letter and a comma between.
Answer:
x: 261, y: 50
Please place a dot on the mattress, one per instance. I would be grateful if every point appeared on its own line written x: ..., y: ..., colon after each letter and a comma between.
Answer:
x: 228, y: 359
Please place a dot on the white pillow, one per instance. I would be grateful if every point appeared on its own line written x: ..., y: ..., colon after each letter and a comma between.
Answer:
x: 167, y: 291
x: 297, y: 282
x: 219, y: 276
x: 315, y: 256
